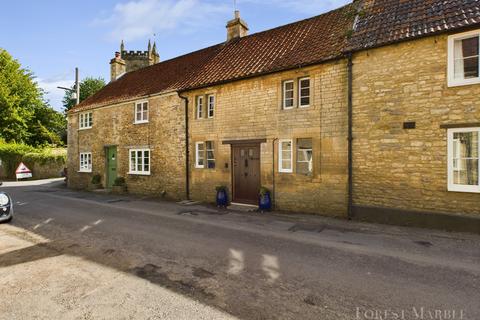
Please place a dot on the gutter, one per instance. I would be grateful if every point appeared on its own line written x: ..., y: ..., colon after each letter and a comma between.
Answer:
x: 187, y: 149
x: 350, y: 135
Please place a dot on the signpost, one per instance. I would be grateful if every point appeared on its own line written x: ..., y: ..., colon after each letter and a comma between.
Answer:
x: 23, y: 172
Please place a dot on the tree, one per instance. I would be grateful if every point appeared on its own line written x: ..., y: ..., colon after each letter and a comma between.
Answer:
x: 25, y: 117
x: 19, y: 96
x: 88, y: 87
x: 47, y: 127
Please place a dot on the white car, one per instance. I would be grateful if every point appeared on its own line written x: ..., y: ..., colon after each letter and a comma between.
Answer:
x: 6, y: 207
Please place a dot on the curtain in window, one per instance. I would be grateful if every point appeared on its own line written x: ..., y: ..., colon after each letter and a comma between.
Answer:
x: 466, y: 158
x: 466, y: 53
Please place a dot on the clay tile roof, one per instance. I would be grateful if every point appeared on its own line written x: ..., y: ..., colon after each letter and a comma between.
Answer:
x: 298, y: 44
x: 302, y: 43
x: 306, y: 42
x: 162, y: 77
x: 382, y: 22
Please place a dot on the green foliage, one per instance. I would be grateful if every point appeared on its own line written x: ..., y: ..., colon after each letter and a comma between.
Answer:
x: 25, y: 117
x: 263, y: 191
x: 44, y: 156
x: 96, y: 179
x: 88, y: 87
x: 119, y: 182
x: 221, y: 188
x: 12, y: 154
x: 48, y: 127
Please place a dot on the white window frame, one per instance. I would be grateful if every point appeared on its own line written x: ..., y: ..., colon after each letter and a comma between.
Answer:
x: 197, y: 153
x: 451, y: 185
x: 142, y: 105
x: 280, y: 156
x: 199, y: 107
x: 211, y: 106
x: 452, y: 82
x: 85, y: 120
x: 300, y: 92
x: 310, y: 163
x: 212, y: 150
x: 136, y: 171
x: 85, y: 162
x: 284, y: 95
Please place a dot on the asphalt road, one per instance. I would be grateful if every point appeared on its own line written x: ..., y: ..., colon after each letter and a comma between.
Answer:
x: 219, y: 263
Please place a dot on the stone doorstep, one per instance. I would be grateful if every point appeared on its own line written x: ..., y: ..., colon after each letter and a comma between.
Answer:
x: 188, y: 203
x: 242, y: 207
x: 101, y: 190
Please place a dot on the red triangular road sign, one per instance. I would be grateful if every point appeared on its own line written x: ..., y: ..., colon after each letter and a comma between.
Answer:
x: 22, y: 168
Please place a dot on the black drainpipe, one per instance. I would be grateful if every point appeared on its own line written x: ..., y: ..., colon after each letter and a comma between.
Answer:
x: 273, y: 173
x: 187, y: 148
x: 350, y: 136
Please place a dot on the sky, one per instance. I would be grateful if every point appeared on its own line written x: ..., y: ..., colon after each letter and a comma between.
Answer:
x: 52, y: 37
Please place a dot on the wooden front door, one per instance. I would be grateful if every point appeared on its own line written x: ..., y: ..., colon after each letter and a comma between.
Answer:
x: 111, y: 154
x: 246, y: 173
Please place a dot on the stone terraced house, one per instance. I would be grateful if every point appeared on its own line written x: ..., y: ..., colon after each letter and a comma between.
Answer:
x: 367, y: 111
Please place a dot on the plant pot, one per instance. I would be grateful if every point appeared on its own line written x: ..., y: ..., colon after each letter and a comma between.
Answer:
x: 119, y: 189
x: 222, y: 198
x: 265, y: 202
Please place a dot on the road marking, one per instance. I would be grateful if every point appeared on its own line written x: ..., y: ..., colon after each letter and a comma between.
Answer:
x: 85, y: 228
x: 41, y: 224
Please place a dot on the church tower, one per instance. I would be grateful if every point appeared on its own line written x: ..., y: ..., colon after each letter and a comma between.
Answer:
x: 127, y: 61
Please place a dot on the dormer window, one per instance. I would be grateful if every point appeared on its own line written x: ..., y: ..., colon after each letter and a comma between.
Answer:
x: 86, y: 120
x: 463, y: 59
x: 141, y: 112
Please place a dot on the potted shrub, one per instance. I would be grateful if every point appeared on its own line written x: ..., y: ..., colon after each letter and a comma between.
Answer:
x: 264, y: 200
x: 96, y: 182
x: 222, y: 196
x: 119, y: 186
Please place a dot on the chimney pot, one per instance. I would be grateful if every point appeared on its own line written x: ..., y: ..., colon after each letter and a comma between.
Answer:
x: 236, y: 28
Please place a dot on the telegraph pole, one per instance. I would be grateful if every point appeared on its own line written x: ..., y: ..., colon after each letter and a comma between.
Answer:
x: 77, y: 87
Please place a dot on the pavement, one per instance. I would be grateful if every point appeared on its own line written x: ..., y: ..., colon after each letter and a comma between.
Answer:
x: 79, y: 255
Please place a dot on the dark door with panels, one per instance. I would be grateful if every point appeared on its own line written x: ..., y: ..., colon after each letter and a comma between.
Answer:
x: 246, y: 173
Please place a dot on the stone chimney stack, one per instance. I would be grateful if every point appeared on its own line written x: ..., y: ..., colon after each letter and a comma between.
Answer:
x: 236, y: 28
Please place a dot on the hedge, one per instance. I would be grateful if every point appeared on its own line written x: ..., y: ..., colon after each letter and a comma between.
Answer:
x: 11, y: 154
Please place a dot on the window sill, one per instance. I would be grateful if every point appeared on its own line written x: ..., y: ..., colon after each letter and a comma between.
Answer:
x: 465, y: 82
x: 304, y: 107
x: 87, y: 128
x: 139, y: 173
x: 140, y: 122
x: 284, y: 171
x: 84, y: 171
x: 464, y: 189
